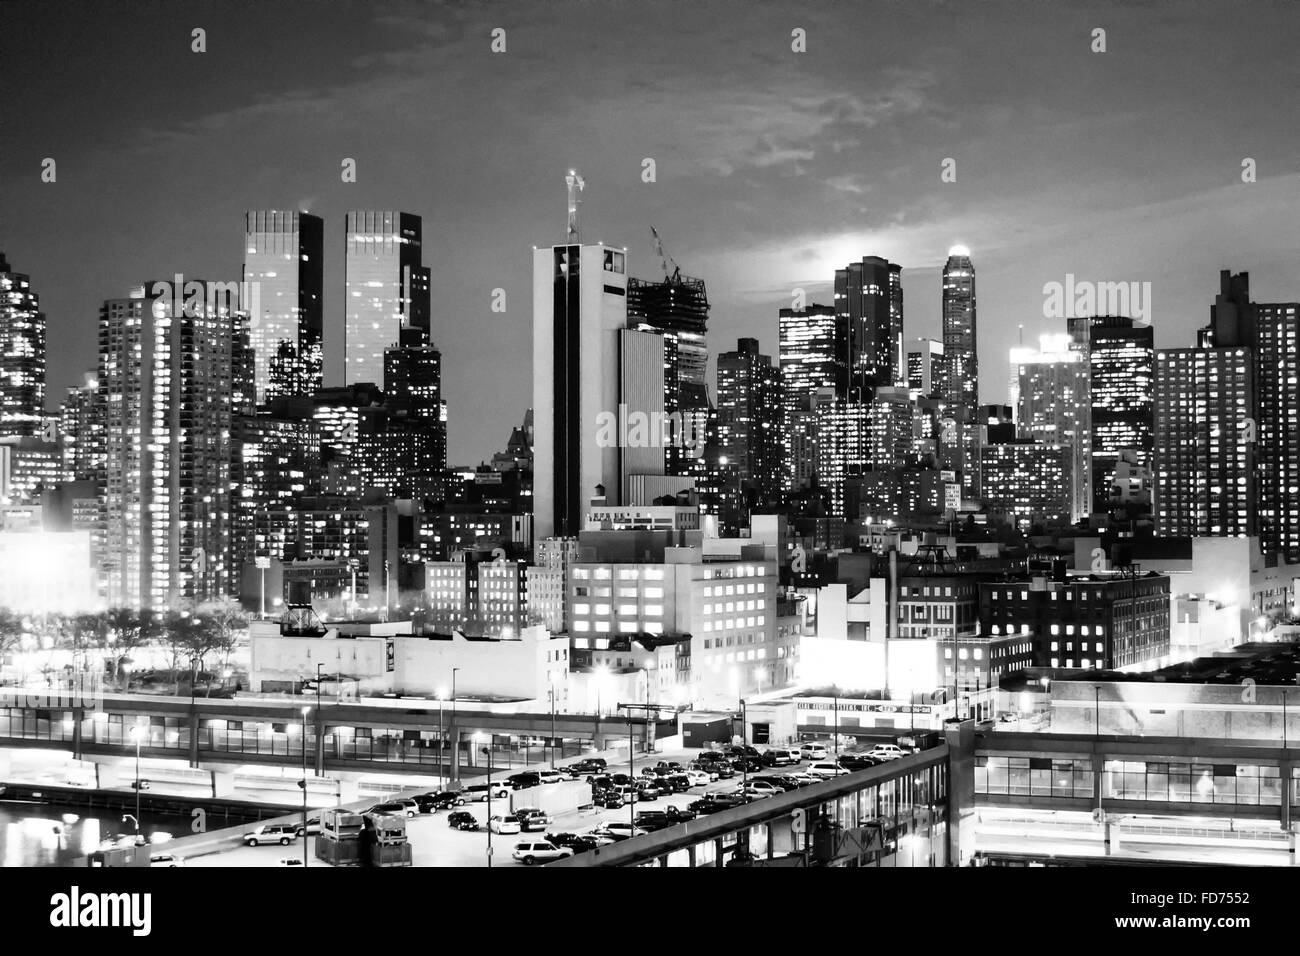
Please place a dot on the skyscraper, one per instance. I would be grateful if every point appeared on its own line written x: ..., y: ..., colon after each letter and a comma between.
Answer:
x: 284, y: 256
x: 960, y: 385
x: 925, y: 366
x: 1053, y: 407
x: 387, y: 290
x: 1203, y: 468
x: 749, y: 418
x: 579, y: 309
x: 168, y: 367
x: 22, y: 355
x: 678, y: 307
x: 1277, y: 453
x: 869, y: 314
x: 810, y: 360
x: 414, y: 393
x: 1121, y: 360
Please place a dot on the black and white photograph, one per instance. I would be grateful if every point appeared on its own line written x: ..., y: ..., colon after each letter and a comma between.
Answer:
x: 610, y: 434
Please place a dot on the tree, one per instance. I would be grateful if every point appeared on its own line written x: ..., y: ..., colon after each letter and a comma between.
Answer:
x: 12, y: 629
x: 227, y: 620
x: 127, y: 629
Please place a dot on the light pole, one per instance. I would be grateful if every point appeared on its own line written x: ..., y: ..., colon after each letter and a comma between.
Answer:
x: 835, y: 689
x: 1096, y: 710
x: 137, y: 732
x: 305, y: 712
x: 744, y: 739
x: 488, y: 750
x: 455, y: 731
x: 442, y: 741
x: 552, y: 692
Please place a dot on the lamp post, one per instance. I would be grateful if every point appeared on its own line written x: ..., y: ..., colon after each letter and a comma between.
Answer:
x: 1096, y: 710
x: 318, y: 678
x: 137, y: 732
x: 488, y: 750
x: 552, y: 693
x: 305, y: 712
x: 455, y: 729
x: 835, y: 689
x: 744, y: 739
x: 442, y: 741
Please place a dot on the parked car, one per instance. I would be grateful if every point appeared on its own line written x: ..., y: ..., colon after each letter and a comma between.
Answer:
x: 812, y: 752
x: 649, y: 790
x: 827, y: 770
x: 574, y: 841
x: 715, y: 802
x: 622, y: 779
x: 532, y: 820
x: 601, y: 781
x: 312, y: 828
x: 780, y: 758
x: 462, y: 820
x: 441, y: 801
x: 281, y: 833
x: 886, y: 752
x: 669, y: 766
x: 167, y: 860
x: 396, y: 808
x: 698, y: 778
x: 724, y: 770
x: 599, y: 837
x: 804, y: 778
x: 540, y: 851
x: 743, y: 763
x: 627, y: 792
x: 708, y: 768
x: 680, y: 782
x: 608, y: 799
x: 652, y: 820
x: 479, y: 791
x: 585, y: 768
x: 504, y: 823
x: 524, y: 780
x: 743, y: 750
x: 550, y: 776
x: 858, y: 761
x: 139, y: 784
x: 620, y: 830
x: 780, y: 781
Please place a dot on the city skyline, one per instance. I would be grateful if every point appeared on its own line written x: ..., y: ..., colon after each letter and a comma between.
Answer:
x: 805, y: 166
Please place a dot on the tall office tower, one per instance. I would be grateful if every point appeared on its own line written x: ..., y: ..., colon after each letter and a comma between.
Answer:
x: 166, y: 381
x: 810, y: 361
x: 925, y: 366
x: 1121, y: 356
x: 1028, y: 480
x: 801, y: 430
x: 843, y: 448
x: 1203, y: 466
x: 1277, y: 450
x: 387, y: 290
x: 81, y: 428
x: 277, y: 461
x: 579, y: 309
x: 1053, y: 401
x: 22, y: 355
x: 414, y: 393
x: 896, y: 430
x: 284, y: 259
x: 869, y: 327
x: 960, y: 380
x: 749, y: 418
x: 677, y: 307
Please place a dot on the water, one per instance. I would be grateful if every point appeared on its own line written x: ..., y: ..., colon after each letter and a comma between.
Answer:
x: 44, y: 834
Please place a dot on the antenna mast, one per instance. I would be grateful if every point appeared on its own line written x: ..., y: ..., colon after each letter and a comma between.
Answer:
x: 576, y: 184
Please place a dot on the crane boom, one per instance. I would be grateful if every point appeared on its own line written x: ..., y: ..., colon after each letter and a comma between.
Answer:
x: 675, y: 273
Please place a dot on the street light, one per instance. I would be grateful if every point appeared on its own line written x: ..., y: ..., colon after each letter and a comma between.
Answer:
x: 488, y: 750
x: 305, y: 712
x: 744, y: 739
x: 455, y: 727
x: 442, y: 740
x: 137, y: 732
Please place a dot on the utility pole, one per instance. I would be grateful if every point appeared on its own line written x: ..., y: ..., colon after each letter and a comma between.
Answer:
x: 645, y: 709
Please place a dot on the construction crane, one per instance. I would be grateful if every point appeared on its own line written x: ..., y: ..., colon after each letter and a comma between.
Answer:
x: 576, y: 184
x: 675, y: 274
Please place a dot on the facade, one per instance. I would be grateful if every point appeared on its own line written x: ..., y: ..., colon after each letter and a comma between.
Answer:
x: 925, y: 369
x: 1122, y: 366
x: 811, y: 364
x: 1277, y: 448
x: 869, y: 326
x: 579, y: 308
x: 284, y: 275
x: 167, y: 441
x: 387, y: 290
x: 22, y: 355
x: 1099, y: 621
x: 1203, y: 466
x: 749, y: 418
x: 1054, y: 406
x: 1031, y: 482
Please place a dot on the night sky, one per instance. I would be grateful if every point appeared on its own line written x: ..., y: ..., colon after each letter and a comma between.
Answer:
x: 773, y: 168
